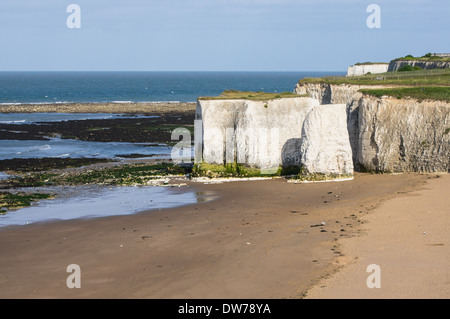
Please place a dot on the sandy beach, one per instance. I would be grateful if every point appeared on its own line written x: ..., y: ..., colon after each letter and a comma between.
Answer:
x: 256, y: 239
x: 251, y: 239
x: 407, y: 237
x: 224, y: 153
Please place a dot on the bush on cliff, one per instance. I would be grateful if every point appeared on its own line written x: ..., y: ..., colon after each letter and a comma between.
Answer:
x: 408, y: 67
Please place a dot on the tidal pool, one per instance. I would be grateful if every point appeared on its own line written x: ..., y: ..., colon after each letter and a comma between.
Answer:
x: 95, y: 201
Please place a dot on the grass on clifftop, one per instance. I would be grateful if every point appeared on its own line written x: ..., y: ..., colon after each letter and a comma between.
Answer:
x: 414, y: 78
x: 370, y: 63
x: 426, y: 58
x: 248, y: 95
x: 439, y: 93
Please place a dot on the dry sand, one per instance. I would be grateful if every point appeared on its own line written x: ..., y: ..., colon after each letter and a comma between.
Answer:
x: 408, y: 238
x: 257, y: 239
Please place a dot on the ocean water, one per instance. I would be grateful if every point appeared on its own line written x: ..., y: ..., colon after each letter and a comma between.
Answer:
x: 115, y: 87
x: 36, y: 118
x: 97, y: 87
x: 65, y: 148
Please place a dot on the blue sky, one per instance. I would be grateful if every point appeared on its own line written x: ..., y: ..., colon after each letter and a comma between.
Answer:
x: 217, y: 35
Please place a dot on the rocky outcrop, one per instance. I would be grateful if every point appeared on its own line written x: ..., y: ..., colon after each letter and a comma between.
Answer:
x: 333, y: 132
x: 394, y: 65
x: 339, y: 94
x: 388, y: 134
x: 288, y: 132
x: 262, y: 134
x: 403, y: 135
x: 332, y: 94
x: 325, y: 145
x: 361, y: 69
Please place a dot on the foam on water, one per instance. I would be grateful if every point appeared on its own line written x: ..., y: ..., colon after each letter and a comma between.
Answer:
x: 33, y: 118
x: 57, y: 147
x: 3, y: 175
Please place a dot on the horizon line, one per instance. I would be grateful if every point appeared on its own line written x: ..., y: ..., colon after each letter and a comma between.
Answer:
x: 173, y: 71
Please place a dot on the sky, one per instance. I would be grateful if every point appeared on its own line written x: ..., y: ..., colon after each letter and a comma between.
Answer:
x: 216, y: 35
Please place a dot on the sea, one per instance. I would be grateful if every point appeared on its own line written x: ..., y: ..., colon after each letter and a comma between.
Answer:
x: 23, y: 88
x: 98, y: 87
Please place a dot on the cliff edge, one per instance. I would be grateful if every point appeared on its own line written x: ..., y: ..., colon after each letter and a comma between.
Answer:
x: 388, y: 133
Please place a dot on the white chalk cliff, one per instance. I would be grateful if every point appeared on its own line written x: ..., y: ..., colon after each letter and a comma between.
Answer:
x: 262, y: 134
x: 361, y: 69
x: 334, y: 131
x: 403, y: 135
x: 389, y: 134
x: 394, y: 65
x: 325, y: 144
x: 286, y: 132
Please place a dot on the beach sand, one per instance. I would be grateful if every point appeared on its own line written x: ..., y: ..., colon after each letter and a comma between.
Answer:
x: 256, y: 239
x: 408, y: 238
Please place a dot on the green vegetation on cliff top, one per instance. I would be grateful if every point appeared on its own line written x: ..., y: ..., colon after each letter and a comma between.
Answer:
x: 248, y: 95
x: 435, y: 77
x: 370, y: 63
x: 439, y: 93
x: 427, y: 58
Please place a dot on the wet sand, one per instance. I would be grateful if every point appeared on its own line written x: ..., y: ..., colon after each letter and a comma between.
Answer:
x: 257, y: 239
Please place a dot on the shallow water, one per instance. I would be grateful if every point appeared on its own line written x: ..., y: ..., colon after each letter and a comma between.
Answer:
x: 56, y: 147
x: 33, y: 118
x: 94, y: 201
x: 4, y: 175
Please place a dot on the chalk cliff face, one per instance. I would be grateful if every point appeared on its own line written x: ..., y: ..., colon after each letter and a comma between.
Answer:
x: 388, y: 134
x: 361, y: 69
x: 426, y: 65
x: 325, y: 145
x: 332, y: 94
x: 333, y: 132
x: 339, y: 94
x: 263, y: 134
x: 403, y: 135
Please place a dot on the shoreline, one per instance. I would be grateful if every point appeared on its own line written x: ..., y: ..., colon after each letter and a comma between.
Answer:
x: 110, y: 107
x: 156, y: 128
x: 258, y: 239
x: 407, y: 237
